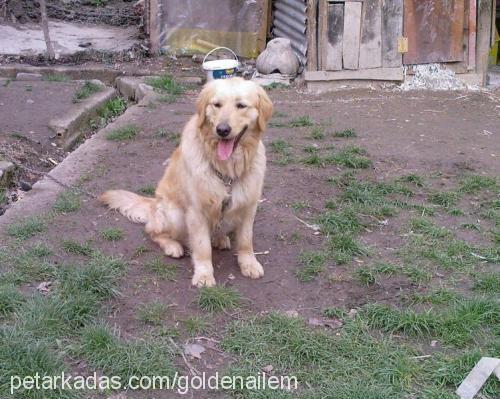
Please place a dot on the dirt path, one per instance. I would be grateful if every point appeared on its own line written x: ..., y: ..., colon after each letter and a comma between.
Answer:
x: 438, y: 136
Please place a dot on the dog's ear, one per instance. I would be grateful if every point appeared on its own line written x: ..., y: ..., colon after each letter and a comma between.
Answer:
x: 202, y: 102
x: 265, y: 108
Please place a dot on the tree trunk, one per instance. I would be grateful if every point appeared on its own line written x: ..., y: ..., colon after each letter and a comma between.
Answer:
x: 45, y: 28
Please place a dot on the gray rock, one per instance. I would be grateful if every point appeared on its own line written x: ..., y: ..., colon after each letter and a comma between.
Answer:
x: 28, y: 76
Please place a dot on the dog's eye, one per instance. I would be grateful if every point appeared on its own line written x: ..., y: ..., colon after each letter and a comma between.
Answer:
x: 217, y: 105
x: 240, y: 106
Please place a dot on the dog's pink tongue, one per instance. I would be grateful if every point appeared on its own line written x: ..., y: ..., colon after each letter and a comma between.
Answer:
x: 225, y: 149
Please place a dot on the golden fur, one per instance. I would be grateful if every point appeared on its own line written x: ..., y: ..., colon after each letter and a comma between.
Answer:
x: 188, y: 204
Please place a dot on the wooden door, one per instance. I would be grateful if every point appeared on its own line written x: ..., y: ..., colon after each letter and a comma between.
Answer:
x: 435, y: 31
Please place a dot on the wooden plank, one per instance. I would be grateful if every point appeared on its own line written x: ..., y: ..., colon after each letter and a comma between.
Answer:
x: 154, y: 26
x: 472, y: 33
x: 322, y: 32
x: 370, y: 50
x: 352, y: 32
x: 392, y: 74
x: 392, y: 29
x: 333, y: 40
x: 312, y: 32
x: 435, y: 31
x: 483, y: 31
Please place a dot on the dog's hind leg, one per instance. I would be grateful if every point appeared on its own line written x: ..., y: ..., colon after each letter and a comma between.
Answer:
x: 170, y: 246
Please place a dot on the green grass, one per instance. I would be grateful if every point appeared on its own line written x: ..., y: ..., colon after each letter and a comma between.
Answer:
x: 75, y: 248
x: 10, y: 299
x: 162, y: 269
x: 148, y: 190
x: 365, y: 275
x: 27, y: 228
x: 412, y: 178
x: 152, y: 313
x: 444, y: 199
x: 474, y: 184
x: 338, y: 222
x: 195, y: 325
x: 300, y: 121
x: 56, y: 78
x: 300, y: 205
x: 436, y: 297
x: 487, y: 282
x: 426, y: 227
x: 317, y: 133
x: 346, y: 133
x: 312, y: 264
x: 343, y: 247
x: 3, y: 196
x: 282, y: 148
x: 86, y: 91
x: 102, y: 348
x: 166, y: 85
x: 351, y: 157
x: 39, y: 250
x: 67, y: 201
x: 112, y: 234
x: 217, y: 299
x: 112, y: 108
x: 123, y: 133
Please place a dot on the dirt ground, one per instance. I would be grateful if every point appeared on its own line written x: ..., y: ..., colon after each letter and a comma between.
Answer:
x: 440, y: 136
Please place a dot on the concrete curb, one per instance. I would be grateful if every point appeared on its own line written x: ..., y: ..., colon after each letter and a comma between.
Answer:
x: 69, y: 126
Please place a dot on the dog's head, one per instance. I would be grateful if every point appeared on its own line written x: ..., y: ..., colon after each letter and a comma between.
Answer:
x: 232, y: 111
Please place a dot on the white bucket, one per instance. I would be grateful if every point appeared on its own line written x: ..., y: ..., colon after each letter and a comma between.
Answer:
x: 220, y: 69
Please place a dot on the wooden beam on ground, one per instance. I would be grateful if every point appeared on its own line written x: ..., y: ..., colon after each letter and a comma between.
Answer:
x: 389, y: 74
x: 351, y: 35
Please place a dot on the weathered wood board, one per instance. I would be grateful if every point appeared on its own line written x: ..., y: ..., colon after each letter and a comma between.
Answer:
x: 435, y: 31
x: 352, y: 33
x: 370, y: 50
x: 392, y: 29
x: 332, y: 50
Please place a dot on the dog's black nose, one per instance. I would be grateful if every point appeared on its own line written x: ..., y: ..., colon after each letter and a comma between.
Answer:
x: 223, y: 129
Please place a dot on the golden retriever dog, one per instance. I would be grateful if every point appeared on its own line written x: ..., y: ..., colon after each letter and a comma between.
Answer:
x: 212, y: 183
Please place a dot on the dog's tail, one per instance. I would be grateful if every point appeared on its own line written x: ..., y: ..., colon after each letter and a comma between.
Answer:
x: 135, y: 207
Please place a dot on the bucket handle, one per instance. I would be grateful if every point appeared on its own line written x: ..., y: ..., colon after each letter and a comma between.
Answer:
x: 220, y: 48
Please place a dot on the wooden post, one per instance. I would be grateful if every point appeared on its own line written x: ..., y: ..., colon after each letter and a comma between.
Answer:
x: 312, y: 38
x: 472, y: 34
x: 45, y: 28
x: 484, y: 13
x: 154, y: 27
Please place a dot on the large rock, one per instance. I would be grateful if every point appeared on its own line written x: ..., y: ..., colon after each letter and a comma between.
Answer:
x: 278, y: 57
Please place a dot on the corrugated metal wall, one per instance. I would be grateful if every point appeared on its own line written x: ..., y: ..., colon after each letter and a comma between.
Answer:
x: 290, y: 21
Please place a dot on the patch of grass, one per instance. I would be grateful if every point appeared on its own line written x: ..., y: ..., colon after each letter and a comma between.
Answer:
x: 67, y: 201
x: 301, y: 121
x: 27, y: 228
x: 334, y: 313
x: 168, y: 98
x: 166, y: 84
x: 104, y: 350
x: 162, y: 269
x: 417, y: 274
x: 313, y: 263
x: 311, y: 149
x: 123, y: 133
x: 112, y: 108
x: 112, y: 234
x: 39, y: 250
x: 346, y: 133
x: 366, y: 275
x: 313, y: 160
x: 300, y: 205
x: 148, y: 190
x: 56, y: 78
x: 421, y: 225
x: 152, y: 313
x: 474, y: 184
x: 75, y: 248
x: 487, y: 282
x: 436, y: 297
x: 456, y: 212
x: 275, y: 86
x: 195, y: 325
x: 343, y: 247
x: 385, y: 268
x: 412, y: 178
x: 344, y: 180
x: 339, y: 222
x: 218, y: 298
x: 280, y: 146
x: 446, y: 199
x: 10, y: 299
x: 3, y: 196
x: 317, y: 133
x: 86, y: 91
x: 351, y: 157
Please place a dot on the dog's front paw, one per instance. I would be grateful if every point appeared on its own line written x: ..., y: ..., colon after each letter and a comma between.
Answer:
x: 222, y: 242
x: 250, y: 266
x: 203, y: 279
x: 173, y: 249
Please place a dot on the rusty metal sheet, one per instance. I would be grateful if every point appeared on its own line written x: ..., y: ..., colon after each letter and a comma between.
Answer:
x: 435, y: 31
